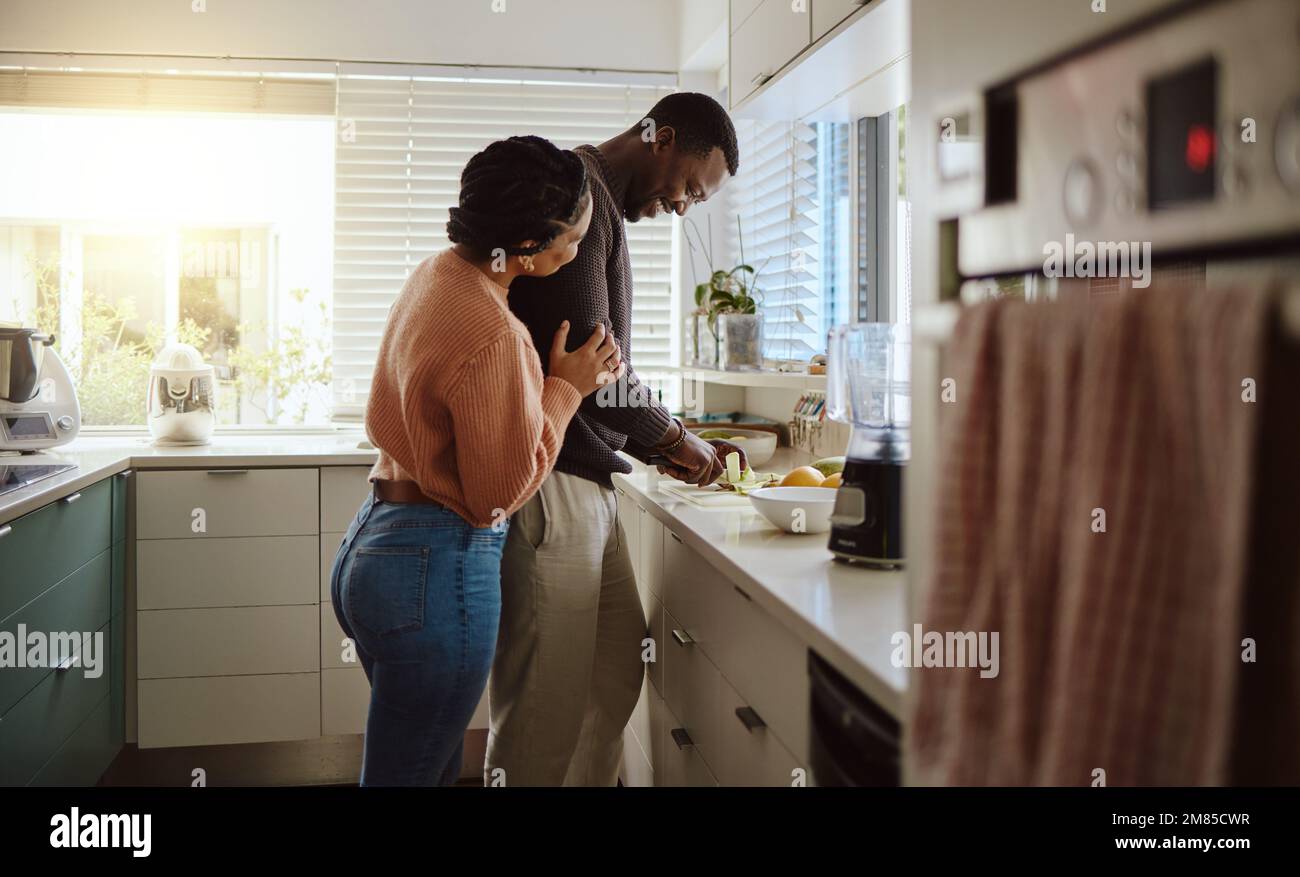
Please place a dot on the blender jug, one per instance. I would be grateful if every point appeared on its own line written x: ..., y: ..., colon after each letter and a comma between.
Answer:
x: 869, y: 388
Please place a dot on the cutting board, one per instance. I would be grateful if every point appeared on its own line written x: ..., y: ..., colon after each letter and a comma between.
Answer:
x: 707, y: 497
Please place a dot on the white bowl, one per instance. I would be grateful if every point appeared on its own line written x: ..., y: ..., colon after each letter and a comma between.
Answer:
x: 759, y: 446
x: 796, y: 509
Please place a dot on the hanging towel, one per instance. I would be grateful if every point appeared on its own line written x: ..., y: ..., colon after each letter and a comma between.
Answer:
x: 1098, y: 488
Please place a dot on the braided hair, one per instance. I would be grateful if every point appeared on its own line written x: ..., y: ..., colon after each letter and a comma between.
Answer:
x: 518, y: 189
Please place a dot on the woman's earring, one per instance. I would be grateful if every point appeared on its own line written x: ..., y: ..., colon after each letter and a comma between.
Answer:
x: 527, y: 262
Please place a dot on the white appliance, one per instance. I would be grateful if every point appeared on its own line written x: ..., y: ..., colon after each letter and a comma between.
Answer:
x: 182, y: 403
x: 39, y: 408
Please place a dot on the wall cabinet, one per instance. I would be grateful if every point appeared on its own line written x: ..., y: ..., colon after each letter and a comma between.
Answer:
x: 63, y: 572
x: 768, y: 39
x: 828, y: 13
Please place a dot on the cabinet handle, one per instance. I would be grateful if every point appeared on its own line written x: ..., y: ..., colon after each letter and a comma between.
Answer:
x: 5, y: 531
x: 69, y: 500
x: 759, y: 77
x: 227, y: 471
x: 750, y: 719
x: 66, y: 664
x: 124, y: 475
x: 681, y: 738
x: 742, y: 593
x: 683, y: 638
x: 676, y: 538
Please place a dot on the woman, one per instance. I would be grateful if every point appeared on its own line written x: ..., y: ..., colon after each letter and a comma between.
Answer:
x: 467, y: 429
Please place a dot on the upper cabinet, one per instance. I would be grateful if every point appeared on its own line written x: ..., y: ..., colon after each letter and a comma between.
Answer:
x: 828, y: 13
x: 770, y: 35
x: 818, y: 60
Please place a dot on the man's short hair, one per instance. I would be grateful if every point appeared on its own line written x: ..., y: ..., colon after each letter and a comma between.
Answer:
x: 701, y: 124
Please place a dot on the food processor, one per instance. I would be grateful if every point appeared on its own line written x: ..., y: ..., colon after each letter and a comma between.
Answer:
x: 869, y: 388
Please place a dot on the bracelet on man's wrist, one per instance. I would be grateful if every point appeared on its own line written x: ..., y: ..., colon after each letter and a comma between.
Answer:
x: 676, y: 443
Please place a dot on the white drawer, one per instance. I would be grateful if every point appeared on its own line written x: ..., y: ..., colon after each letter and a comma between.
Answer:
x: 751, y: 756
x: 693, y: 594
x: 683, y: 765
x: 629, y: 522
x: 329, y: 547
x: 331, y: 641
x: 641, y: 725
x: 691, y: 684
x: 662, y: 641
x: 344, y: 701
x: 649, y: 577
x: 174, y: 643
x: 227, y: 502
x: 342, y: 488
x: 233, y: 709
x: 635, y: 772
x: 248, y: 571
x: 768, y: 667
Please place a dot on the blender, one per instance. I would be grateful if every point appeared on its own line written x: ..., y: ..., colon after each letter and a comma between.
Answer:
x: 868, y: 388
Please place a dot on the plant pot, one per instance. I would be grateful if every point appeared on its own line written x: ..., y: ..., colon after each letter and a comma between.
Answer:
x: 702, y: 349
x: 740, y: 342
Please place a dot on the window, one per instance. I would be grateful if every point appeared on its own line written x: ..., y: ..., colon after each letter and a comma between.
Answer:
x: 123, y: 228
x: 792, y: 199
x: 402, y: 144
x: 884, y: 243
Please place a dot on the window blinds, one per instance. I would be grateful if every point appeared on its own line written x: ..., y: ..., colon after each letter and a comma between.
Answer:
x: 402, y: 144
x: 791, y: 197
x: 105, y: 90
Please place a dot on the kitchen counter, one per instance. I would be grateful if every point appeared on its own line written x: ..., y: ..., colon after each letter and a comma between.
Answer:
x: 846, y: 614
x: 98, y: 458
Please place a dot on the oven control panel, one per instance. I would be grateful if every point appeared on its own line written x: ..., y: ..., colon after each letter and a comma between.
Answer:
x: 1183, y: 133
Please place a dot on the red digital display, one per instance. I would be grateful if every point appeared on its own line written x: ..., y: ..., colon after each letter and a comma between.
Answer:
x: 1200, y: 148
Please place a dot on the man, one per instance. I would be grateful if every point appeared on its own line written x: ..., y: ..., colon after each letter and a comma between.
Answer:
x: 568, y: 668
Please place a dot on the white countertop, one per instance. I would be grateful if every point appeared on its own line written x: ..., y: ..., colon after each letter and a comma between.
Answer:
x: 846, y: 614
x: 97, y: 458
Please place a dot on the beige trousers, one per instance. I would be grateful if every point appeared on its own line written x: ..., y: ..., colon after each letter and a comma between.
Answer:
x: 568, y: 668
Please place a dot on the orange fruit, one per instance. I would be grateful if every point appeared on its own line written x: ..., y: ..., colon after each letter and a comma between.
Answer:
x: 832, y: 480
x: 804, y: 476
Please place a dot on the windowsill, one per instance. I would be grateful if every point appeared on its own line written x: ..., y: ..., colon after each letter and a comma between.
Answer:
x: 782, y: 380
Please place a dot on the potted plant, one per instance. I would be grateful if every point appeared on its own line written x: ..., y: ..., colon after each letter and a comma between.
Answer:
x: 726, y: 329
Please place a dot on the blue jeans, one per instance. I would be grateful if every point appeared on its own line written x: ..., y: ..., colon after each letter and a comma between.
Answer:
x: 419, y: 591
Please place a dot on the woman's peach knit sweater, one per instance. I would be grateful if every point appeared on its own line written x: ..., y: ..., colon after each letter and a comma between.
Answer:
x: 459, y: 404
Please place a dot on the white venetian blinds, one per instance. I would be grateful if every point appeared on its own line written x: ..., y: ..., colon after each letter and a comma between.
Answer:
x: 791, y: 197
x: 402, y: 144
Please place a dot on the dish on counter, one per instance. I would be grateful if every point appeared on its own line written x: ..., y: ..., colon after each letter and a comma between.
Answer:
x: 795, y: 509
x: 759, y: 445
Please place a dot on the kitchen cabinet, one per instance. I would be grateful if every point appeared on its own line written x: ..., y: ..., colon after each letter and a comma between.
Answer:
x: 828, y: 13
x: 63, y: 573
x: 768, y: 39
x: 228, y: 612
x: 726, y: 702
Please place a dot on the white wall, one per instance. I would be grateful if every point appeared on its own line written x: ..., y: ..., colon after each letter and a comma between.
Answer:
x: 607, y: 34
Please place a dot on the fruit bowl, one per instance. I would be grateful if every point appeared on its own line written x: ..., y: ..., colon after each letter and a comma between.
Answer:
x: 795, y: 509
x: 759, y: 446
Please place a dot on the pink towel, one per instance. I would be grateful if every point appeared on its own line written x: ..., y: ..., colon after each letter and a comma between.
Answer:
x: 1120, y: 650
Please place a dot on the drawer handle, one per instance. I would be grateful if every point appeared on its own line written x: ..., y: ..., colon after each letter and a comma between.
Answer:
x: 69, y: 500
x: 66, y: 664
x: 750, y: 719
x: 5, y: 531
x: 683, y: 638
x: 759, y: 77
x: 227, y: 471
x: 677, y: 538
x: 742, y: 593
x: 124, y: 475
x: 681, y: 738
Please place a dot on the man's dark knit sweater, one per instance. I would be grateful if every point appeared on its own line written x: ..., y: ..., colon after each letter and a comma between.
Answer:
x: 596, y: 287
